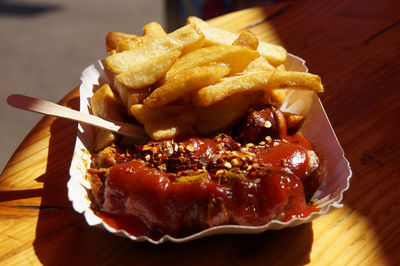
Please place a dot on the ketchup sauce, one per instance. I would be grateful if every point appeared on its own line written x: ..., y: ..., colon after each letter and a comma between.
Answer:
x: 144, y: 200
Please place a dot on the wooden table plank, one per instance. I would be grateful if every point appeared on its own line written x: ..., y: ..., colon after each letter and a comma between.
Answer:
x: 354, y: 47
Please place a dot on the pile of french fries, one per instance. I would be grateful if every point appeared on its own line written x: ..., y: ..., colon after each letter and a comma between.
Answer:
x: 199, y: 79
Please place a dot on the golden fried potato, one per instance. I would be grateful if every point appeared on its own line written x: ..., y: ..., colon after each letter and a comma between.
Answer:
x: 247, y: 39
x: 258, y: 64
x: 275, y: 54
x: 204, y: 78
x: 281, y: 67
x: 292, y: 120
x: 130, y: 96
x: 225, y: 113
x: 102, y: 138
x: 126, y: 45
x: 167, y: 129
x: 117, y: 42
x: 184, y: 113
x: 188, y: 38
x: 105, y: 104
x: 264, y: 80
x: 137, y: 96
x: 114, y: 38
x: 236, y: 57
x: 149, y: 73
x: 184, y: 39
x: 277, y: 97
x: 153, y: 30
x: 185, y: 82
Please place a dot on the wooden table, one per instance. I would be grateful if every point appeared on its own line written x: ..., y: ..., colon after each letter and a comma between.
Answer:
x: 355, y: 47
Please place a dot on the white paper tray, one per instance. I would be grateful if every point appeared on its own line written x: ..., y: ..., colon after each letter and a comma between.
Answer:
x: 316, y: 128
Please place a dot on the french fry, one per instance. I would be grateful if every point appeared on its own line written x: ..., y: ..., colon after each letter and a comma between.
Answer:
x: 184, y: 39
x: 281, y: 67
x: 275, y: 54
x: 184, y: 113
x: 225, y: 113
x: 247, y: 39
x: 293, y: 121
x: 264, y: 80
x: 167, y: 129
x: 130, y: 96
x: 126, y: 45
x: 153, y: 30
x: 102, y: 138
x: 149, y: 73
x: 137, y: 96
x: 277, y: 97
x: 104, y: 104
x: 204, y: 77
x: 258, y: 64
x: 188, y: 38
x: 236, y: 57
x: 117, y: 42
x: 185, y: 82
x: 114, y: 38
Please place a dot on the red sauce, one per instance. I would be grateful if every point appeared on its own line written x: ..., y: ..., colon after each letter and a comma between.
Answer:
x: 146, y: 201
x: 130, y: 223
x: 290, y: 153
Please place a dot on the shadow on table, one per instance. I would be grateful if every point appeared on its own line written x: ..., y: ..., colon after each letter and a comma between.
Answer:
x: 63, y: 236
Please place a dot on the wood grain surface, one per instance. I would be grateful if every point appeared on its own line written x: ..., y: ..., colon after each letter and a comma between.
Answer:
x: 355, y: 47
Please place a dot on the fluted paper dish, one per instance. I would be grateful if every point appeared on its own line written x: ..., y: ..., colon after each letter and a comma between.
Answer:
x: 316, y: 128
